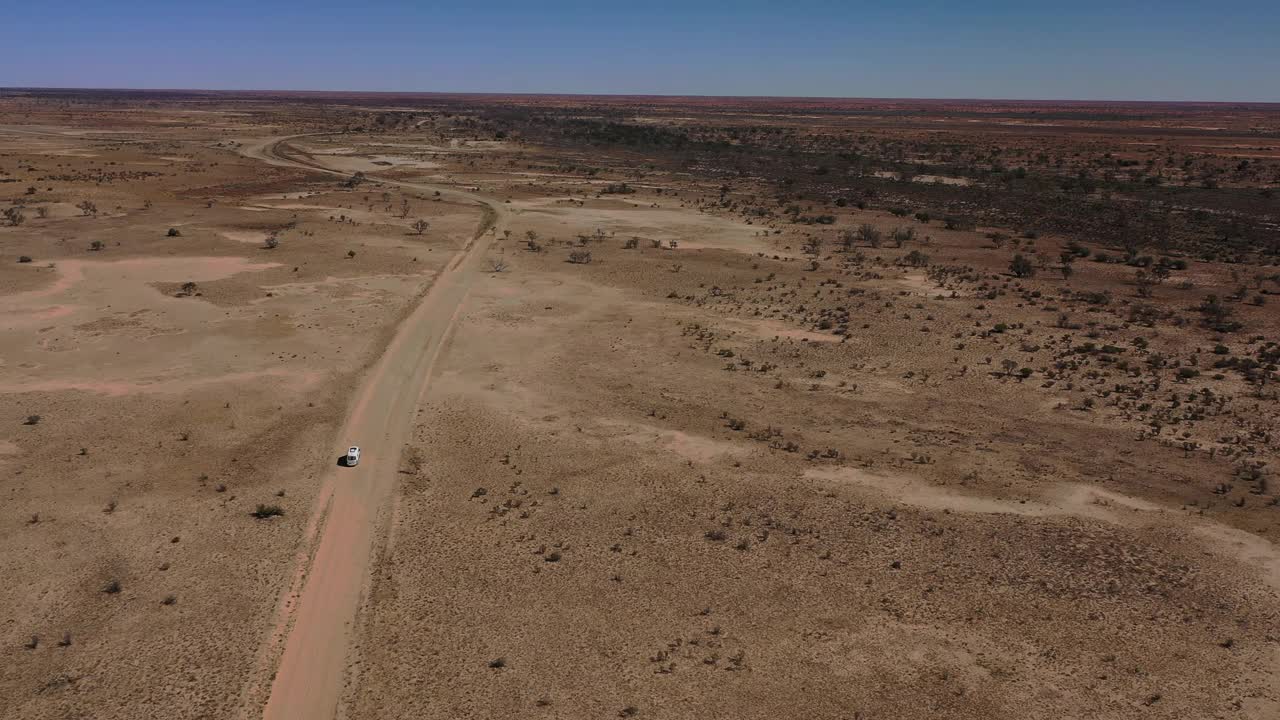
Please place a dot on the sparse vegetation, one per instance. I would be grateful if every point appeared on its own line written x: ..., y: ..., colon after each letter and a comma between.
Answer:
x: 1021, y: 267
x: 957, y: 432
x: 263, y: 512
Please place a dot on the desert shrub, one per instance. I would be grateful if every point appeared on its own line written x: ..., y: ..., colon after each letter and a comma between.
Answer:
x: 32, y: 420
x: 915, y: 258
x: 870, y: 235
x: 923, y: 217
x: 1217, y: 316
x: 1021, y: 267
x: 958, y: 222
x: 262, y: 512
x: 24, y: 258
x: 580, y: 257
x: 174, y: 232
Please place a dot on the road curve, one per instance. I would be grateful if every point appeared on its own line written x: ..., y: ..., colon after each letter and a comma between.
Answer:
x: 318, y: 626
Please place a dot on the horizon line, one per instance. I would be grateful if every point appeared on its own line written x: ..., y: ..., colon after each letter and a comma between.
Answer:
x: 490, y: 93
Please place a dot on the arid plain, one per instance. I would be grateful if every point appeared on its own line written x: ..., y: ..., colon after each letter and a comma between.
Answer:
x: 671, y: 408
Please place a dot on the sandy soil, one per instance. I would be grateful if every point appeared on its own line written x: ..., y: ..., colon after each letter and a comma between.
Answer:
x: 167, y: 416
x: 726, y: 478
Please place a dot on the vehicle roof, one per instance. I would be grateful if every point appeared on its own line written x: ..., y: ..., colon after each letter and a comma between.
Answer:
x: 354, y: 449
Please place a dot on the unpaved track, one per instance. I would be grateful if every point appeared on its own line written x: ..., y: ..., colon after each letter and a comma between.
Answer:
x: 321, y: 622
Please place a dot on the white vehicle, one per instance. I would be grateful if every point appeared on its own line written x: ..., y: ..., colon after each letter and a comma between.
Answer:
x: 353, y: 456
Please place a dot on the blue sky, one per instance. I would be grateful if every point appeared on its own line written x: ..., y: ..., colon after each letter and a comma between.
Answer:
x: 1173, y: 50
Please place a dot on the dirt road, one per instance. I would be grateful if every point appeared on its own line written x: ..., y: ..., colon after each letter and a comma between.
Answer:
x: 319, y: 624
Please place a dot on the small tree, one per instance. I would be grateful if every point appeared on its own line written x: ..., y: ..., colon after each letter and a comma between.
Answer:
x: 188, y: 288
x: 14, y: 216
x: 96, y: 245
x: 1008, y: 365
x: 580, y: 257
x: 174, y: 232
x: 915, y: 258
x: 903, y: 235
x: 847, y: 240
x: 272, y: 242
x: 1021, y: 267
x: 87, y: 208
x: 870, y: 235
x: 1145, y: 282
x: 420, y: 226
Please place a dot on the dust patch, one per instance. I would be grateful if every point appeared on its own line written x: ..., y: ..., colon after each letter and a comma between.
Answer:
x: 170, y: 385
x: 694, y: 448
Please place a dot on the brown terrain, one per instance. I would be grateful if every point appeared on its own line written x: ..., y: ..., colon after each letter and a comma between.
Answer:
x: 670, y: 407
